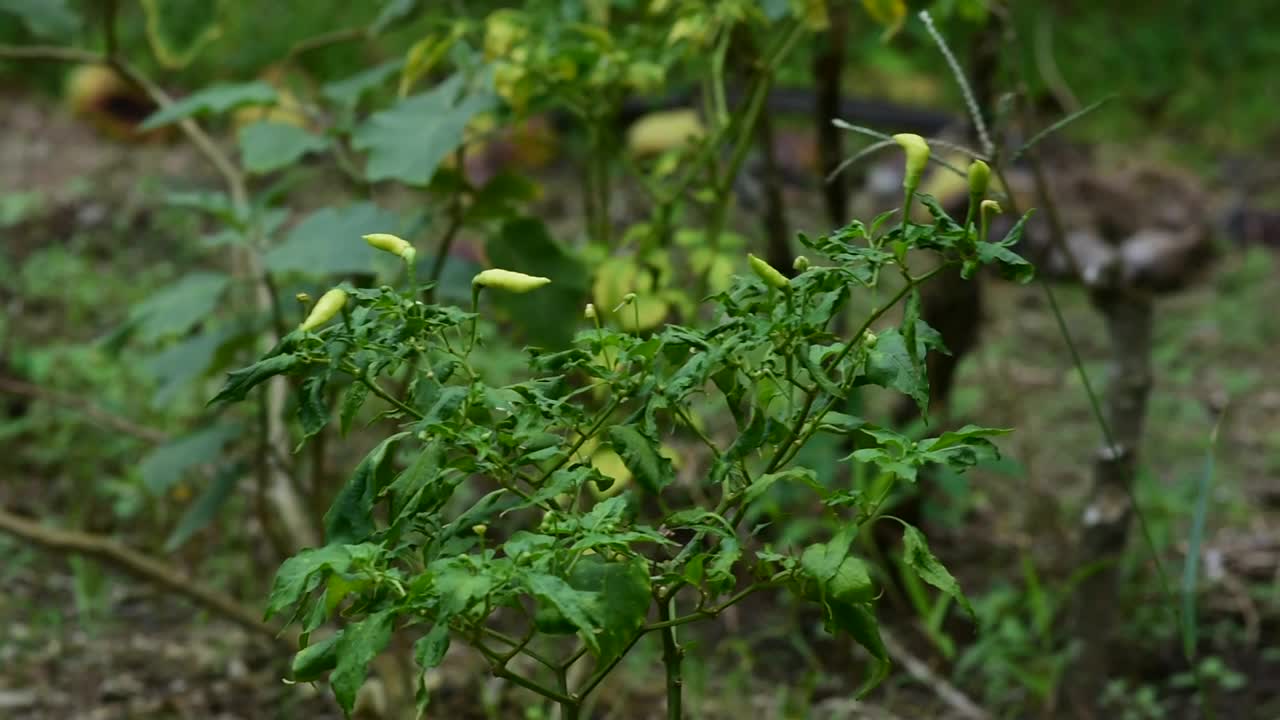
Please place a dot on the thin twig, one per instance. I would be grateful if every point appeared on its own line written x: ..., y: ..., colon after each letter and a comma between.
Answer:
x: 87, y: 408
x: 918, y: 669
x: 140, y: 565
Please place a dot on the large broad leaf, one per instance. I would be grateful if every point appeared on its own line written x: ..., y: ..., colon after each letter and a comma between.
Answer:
x: 626, y: 594
x: 44, y: 18
x: 268, y: 146
x: 580, y: 608
x: 548, y: 315
x: 430, y: 649
x: 206, y: 507
x: 217, y: 99
x: 891, y: 365
x: 177, y: 308
x: 350, y: 518
x: 164, y: 466
x: 407, y: 141
x: 328, y: 241
x: 916, y: 554
x: 357, y: 647
x: 641, y: 456
x: 348, y: 91
x: 302, y: 573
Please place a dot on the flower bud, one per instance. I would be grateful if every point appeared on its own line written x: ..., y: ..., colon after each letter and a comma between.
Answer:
x: 917, y: 158
x: 590, y: 312
x: 303, y: 298
x: 329, y: 305
x: 801, y: 263
x: 515, y: 282
x: 991, y: 207
x: 768, y: 273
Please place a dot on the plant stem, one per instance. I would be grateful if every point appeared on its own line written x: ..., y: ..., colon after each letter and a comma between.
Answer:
x: 672, y: 656
x: 450, y: 233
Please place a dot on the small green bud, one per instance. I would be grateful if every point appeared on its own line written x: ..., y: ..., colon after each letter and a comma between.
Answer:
x: 869, y: 339
x: 303, y: 298
x: 979, y: 177
x: 515, y: 282
x: 480, y: 529
x: 917, y: 158
x: 392, y: 244
x: 329, y: 305
x: 768, y: 273
x: 991, y: 207
x: 801, y: 263
x: 590, y: 312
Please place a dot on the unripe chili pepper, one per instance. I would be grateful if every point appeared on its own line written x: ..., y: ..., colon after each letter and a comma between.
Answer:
x: 392, y: 244
x: 917, y: 158
x: 508, y: 280
x: 329, y: 305
x: 768, y: 273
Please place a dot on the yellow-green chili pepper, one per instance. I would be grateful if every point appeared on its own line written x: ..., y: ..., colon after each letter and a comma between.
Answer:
x: 329, y: 305
x: 515, y: 282
x: 390, y: 243
x: 768, y: 273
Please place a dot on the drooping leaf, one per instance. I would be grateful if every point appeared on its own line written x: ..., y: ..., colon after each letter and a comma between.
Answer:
x: 216, y: 99
x: 358, y: 645
x: 240, y: 382
x: 916, y: 554
x: 651, y: 469
x: 357, y: 393
x: 350, y: 518
x: 407, y: 141
x: 313, y: 405
x: 859, y: 621
x: 164, y: 466
x: 267, y: 146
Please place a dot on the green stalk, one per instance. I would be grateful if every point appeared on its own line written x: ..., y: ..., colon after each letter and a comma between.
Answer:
x: 672, y: 657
